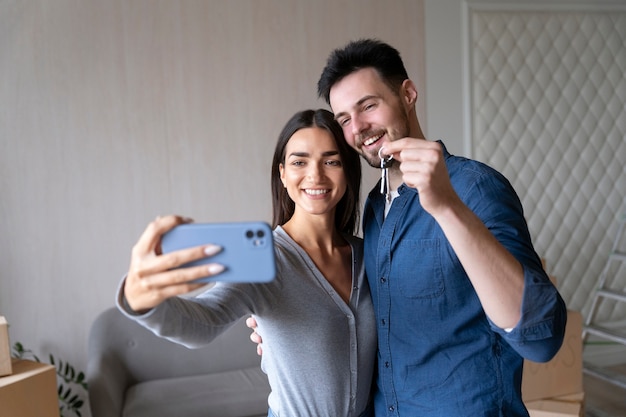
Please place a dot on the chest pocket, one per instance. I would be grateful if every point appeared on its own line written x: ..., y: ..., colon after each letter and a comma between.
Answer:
x: 417, y: 266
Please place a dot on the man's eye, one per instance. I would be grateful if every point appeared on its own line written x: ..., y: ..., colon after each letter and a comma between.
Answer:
x: 343, y: 122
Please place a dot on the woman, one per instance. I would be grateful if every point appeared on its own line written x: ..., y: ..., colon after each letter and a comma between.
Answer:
x: 316, y: 317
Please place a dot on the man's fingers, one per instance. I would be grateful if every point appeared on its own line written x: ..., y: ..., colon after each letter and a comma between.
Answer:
x: 409, y: 148
x: 254, y: 337
x: 251, y: 322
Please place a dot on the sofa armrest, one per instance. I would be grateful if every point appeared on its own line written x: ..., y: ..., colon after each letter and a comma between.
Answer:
x: 107, y: 376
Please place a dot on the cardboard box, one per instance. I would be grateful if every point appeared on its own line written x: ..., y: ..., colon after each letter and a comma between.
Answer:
x: 565, y: 406
x: 563, y: 374
x: 579, y: 397
x: 5, y: 348
x: 551, y: 408
x: 30, y: 391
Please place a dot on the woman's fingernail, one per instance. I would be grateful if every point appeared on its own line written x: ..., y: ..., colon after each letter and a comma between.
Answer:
x: 212, y: 249
x: 215, y: 268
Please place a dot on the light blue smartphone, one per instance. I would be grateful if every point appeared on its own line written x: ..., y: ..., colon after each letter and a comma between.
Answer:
x: 247, y: 249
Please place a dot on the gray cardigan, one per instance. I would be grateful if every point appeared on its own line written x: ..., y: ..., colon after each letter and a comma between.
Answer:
x: 318, y: 352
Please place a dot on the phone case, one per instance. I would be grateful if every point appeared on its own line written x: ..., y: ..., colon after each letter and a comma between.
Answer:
x: 247, y: 249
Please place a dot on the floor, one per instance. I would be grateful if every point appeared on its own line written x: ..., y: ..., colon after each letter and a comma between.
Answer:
x: 603, y: 399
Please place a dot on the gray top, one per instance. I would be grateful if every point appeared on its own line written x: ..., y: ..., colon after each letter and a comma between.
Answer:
x: 318, y: 352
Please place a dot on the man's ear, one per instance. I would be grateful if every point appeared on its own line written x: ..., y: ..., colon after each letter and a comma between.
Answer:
x: 409, y: 93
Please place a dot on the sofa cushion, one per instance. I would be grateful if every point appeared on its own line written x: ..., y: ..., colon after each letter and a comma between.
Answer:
x: 239, y: 393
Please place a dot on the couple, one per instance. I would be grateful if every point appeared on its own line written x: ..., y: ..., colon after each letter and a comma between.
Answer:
x: 458, y: 295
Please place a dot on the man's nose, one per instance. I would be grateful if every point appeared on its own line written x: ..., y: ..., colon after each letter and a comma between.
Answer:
x: 358, y: 125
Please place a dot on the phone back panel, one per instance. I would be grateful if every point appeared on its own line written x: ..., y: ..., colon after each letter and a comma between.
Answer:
x: 247, y: 249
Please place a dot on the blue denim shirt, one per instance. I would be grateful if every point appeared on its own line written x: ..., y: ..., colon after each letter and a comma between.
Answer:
x: 438, y: 353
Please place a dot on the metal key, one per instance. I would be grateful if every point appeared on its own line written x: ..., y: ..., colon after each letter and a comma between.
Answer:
x: 385, y: 163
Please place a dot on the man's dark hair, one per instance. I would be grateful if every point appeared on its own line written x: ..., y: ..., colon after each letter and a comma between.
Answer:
x: 356, y: 55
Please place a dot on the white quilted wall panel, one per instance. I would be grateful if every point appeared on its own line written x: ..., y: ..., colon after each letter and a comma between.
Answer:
x: 548, y: 109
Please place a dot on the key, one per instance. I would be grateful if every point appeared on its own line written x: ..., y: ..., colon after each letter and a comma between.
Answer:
x: 385, y: 163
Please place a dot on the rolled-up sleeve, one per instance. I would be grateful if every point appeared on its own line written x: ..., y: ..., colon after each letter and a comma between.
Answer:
x: 539, y: 333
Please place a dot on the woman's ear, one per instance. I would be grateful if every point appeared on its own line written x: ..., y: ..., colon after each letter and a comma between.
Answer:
x: 281, y: 168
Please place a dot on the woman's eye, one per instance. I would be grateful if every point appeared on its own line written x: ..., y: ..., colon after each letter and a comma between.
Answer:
x: 334, y: 162
x: 297, y: 163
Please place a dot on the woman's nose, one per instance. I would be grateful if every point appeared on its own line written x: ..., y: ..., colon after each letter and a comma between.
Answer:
x: 315, y: 172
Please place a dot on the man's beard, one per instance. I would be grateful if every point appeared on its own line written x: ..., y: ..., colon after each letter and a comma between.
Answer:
x: 373, y: 159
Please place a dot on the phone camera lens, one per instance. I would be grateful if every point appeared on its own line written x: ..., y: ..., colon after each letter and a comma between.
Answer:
x: 260, y: 233
x: 249, y: 234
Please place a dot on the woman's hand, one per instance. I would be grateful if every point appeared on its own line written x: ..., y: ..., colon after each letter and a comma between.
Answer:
x: 154, y: 277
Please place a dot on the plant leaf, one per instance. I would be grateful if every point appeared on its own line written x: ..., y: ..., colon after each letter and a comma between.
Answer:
x: 67, y: 394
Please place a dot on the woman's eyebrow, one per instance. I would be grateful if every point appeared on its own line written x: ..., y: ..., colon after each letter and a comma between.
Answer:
x: 306, y: 154
x: 299, y: 154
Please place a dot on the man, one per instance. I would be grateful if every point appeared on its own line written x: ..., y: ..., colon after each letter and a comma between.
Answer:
x: 459, y: 293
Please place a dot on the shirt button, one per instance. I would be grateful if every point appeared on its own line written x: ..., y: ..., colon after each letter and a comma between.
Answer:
x: 391, y: 408
x: 386, y: 364
x: 383, y: 322
x: 383, y: 280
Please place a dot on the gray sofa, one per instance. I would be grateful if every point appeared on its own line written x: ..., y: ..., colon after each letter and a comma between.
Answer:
x: 133, y: 373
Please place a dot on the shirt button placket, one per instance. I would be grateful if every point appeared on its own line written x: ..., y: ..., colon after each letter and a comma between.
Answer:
x: 385, y: 353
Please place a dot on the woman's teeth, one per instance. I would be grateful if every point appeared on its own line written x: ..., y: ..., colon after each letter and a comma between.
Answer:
x: 316, y: 192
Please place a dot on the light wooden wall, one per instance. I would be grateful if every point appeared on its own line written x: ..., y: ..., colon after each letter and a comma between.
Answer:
x: 113, y: 112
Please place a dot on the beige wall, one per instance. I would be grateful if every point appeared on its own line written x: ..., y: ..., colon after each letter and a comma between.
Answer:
x: 114, y: 112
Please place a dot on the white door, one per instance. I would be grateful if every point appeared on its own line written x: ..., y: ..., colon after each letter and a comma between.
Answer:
x: 538, y: 91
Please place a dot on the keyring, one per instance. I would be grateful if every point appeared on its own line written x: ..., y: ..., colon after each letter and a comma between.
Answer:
x: 385, y: 159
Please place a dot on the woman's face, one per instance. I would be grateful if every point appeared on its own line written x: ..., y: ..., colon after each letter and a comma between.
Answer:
x: 313, y: 171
